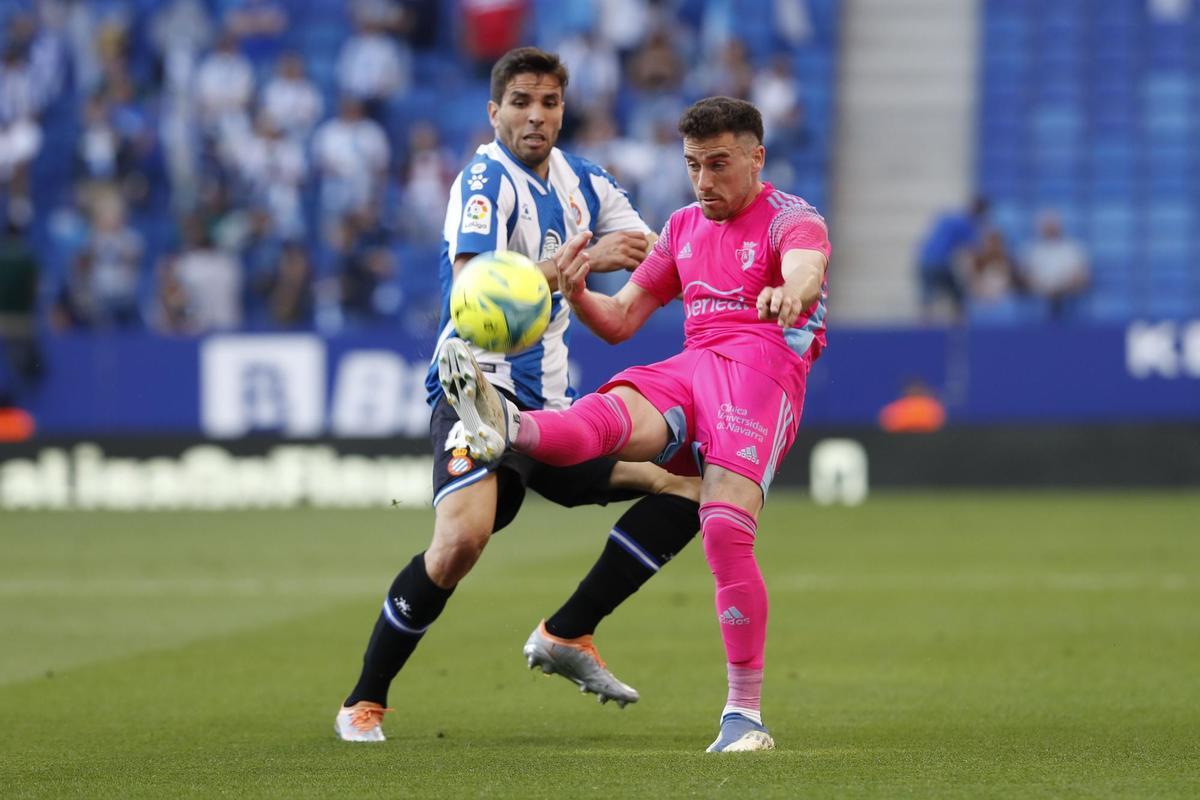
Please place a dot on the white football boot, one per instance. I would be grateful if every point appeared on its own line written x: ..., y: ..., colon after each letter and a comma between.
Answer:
x: 489, y: 420
x: 360, y: 722
x: 740, y: 734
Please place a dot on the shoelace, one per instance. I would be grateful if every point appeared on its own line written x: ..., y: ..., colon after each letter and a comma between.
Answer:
x: 365, y: 718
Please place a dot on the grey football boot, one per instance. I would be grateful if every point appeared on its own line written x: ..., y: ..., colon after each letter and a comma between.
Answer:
x: 577, y: 661
x: 740, y: 734
x: 489, y: 420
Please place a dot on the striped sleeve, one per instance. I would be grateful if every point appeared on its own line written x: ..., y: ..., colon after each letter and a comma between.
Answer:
x: 617, y: 212
x: 482, y: 201
x: 798, y: 226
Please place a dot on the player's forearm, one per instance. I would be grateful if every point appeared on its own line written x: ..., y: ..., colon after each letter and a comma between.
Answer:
x: 551, y: 272
x: 807, y: 287
x: 603, y: 316
x: 803, y: 278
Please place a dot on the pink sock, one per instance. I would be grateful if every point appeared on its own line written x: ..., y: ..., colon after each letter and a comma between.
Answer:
x: 741, y: 600
x: 595, y: 425
x: 745, y: 692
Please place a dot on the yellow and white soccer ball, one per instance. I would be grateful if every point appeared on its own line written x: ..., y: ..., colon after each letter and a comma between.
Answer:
x: 500, y: 301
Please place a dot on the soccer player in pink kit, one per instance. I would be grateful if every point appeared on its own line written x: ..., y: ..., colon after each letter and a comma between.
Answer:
x: 750, y: 263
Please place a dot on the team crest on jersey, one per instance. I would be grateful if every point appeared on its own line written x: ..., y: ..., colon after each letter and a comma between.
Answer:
x: 745, y: 254
x: 550, y: 245
x: 575, y: 209
x: 477, y: 215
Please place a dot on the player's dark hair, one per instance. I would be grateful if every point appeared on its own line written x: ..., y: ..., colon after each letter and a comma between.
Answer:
x: 525, y: 60
x: 713, y: 116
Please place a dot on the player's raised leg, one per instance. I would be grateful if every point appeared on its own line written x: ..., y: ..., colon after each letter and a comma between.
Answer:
x: 463, y: 524
x: 620, y: 422
x: 729, y: 505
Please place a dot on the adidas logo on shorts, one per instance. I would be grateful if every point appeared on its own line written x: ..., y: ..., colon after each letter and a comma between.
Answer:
x: 750, y: 453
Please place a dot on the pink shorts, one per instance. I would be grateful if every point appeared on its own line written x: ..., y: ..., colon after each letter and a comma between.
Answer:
x: 718, y: 411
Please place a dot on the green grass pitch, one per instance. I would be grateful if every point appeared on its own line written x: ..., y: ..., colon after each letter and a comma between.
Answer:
x: 976, y: 645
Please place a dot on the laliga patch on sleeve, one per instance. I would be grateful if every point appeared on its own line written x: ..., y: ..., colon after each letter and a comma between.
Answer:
x: 477, y: 215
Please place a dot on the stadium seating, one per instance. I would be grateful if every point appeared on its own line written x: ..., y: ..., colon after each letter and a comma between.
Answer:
x: 1090, y: 107
x: 444, y: 91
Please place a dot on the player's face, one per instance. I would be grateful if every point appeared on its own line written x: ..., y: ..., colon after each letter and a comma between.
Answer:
x: 529, y: 117
x: 724, y: 172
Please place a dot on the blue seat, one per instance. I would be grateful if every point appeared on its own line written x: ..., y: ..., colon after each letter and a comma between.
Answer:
x: 1008, y: 312
x: 1115, y: 247
x: 1173, y: 215
x: 1168, y: 255
x: 1104, y: 306
x: 1171, y: 305
x: 1115, y: 216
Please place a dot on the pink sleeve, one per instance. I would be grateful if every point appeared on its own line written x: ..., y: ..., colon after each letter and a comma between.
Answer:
x: 799, y: 227
x: 657, y: 274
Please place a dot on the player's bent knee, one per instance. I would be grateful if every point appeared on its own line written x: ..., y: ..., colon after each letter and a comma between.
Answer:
x: 460, y: 533
x: 649, y: 433
x: 453, y: 553
x: 726, y: 486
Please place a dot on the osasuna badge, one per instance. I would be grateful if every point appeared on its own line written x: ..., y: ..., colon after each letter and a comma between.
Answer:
x: 477, y: 215
x: 745, y: 254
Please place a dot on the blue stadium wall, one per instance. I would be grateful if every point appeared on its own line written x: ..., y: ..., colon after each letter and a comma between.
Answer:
x: 371, y: 385
x: 274, y: 420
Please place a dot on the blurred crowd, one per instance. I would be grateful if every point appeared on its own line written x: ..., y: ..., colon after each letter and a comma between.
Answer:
x: 198, y: 165
x: 968, y: 271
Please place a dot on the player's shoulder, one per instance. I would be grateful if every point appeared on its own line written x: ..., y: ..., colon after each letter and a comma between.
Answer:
x: 586, y: 169
x: 784, y: 204
x: 483, y: 174
x: 793, y: 219
x: 685, y: 215
x: 580, y: 165
x: 788, y: 211
x: 680, y: 223
x: 484, y: 164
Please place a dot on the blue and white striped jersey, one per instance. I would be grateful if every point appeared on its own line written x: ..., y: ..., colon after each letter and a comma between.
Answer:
x: 497, y: 203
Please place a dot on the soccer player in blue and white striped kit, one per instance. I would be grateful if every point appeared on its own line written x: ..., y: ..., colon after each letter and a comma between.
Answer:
x: 522, y: 193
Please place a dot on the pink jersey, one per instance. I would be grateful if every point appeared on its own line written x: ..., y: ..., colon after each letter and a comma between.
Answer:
x: 722, y: 267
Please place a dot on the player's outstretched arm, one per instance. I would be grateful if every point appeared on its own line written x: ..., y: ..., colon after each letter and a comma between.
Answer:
x: 613, y: 318
x: 803, y: 273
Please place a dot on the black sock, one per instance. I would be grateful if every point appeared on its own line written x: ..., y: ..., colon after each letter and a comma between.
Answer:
x: 411, y: 606
x: 646, y: 536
